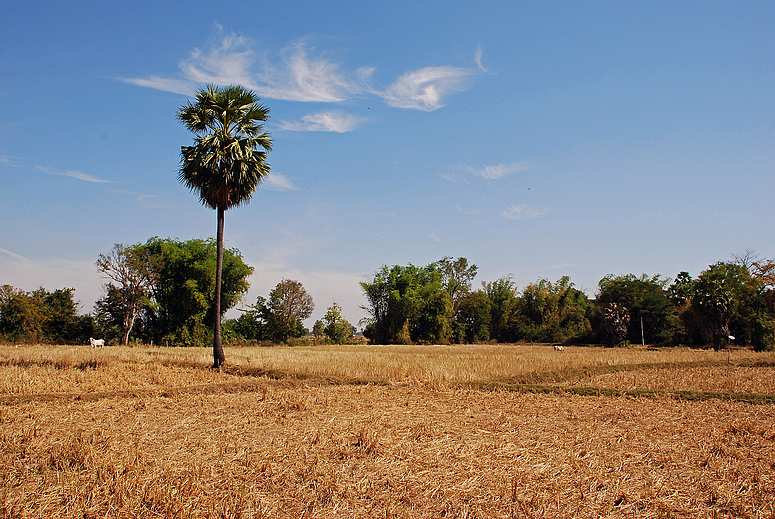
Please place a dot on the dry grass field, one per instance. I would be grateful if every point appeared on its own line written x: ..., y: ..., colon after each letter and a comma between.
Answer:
x: 386, y: 431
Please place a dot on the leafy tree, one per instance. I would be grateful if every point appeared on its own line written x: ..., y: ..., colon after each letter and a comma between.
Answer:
x: 319, y: 328
x: 502, y: 294
x: 252, y: 323
x: 552, y: 312
x: 646, y: 300
x: 184, y: 291
x: 389, y: 304
x: 729, y: 301
x: 41, y: 316
x: 763, y: 272
x: 289, y: 305
x: 408, y: 304
x: 473, y: 316
x: 680, y: 293
x: 21, y: 316
x: 109, y: 312
x: 617, y: 320
x: 457, y: 276
x: 225, y: 164
x: 133, y: 271
x: 337, y: 328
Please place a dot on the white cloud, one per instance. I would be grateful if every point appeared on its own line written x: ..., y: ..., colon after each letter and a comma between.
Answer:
x: 293, y: 74
x: 230, y: 60
x: 73, y: 174
x: 304, y: 79
x: 523, y: 212
x: 464, y: 211
x: 453, y: 176
x: 323, y: 122
x: 13, y: 254
x: 426, y: 88
x: 479, y: 60
x: 499, y: 171
x: 8, y: 161
x: 278, y: 182
x: 176, y: 86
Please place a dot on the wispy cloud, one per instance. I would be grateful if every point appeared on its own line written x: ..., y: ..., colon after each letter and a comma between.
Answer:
x: 426, y: 88
x: 13, y: 254
x: 465, y: 211
x: 479, y: 63
x: 296, y: 74
x: 498, y: 171
x: 323, y: 122
x: 523, y: 212
x: 278, y: 182
x: 73, y: 174
x: 306, y: 79
x: 292, y: 75
x: 454, y: 176
x: 9, y: 161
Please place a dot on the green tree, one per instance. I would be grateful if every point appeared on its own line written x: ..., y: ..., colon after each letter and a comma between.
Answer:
x: 225, y: 164
x: 408, y: 304
x: 289, y: 305
x: 730, y: 301
x: 457, y: 276
x: 502, y: 294
x: 680, y: 293
x: 337, y: 328
x: 646, y: 300
x: 473, y: 316
x: 184, y: 292
x: 616, y: 318
x: 41, y: 316
x: 22, y: 317
x: 552, y: 312
x: 319, y: 329
x: 252, y: 324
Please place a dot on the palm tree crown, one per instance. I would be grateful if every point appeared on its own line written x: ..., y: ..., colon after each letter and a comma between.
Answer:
x: 228, y: 159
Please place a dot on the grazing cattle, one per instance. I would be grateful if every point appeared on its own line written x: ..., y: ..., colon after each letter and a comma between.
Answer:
x: 558, y: 348
x: 97, y: 343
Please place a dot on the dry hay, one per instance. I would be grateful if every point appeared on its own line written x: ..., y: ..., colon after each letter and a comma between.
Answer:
x: 386, y: 451
x: 42, y: 370
x: 718, y: 379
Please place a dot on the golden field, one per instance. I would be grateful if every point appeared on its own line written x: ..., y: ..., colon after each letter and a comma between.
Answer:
x: 386, y: 431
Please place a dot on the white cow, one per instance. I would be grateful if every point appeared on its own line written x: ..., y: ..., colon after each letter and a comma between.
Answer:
x: 97, y: 343
x: 558, y: 348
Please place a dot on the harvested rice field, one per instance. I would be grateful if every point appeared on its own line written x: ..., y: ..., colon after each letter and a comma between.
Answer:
x: 149, y: 432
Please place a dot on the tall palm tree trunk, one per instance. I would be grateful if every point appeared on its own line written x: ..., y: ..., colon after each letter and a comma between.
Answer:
x: 218, y: 357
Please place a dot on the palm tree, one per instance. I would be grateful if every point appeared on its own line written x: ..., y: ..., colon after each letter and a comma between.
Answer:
x: 226, y: 162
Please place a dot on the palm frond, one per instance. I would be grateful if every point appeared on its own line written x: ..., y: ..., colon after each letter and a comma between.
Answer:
x: 228, y: 159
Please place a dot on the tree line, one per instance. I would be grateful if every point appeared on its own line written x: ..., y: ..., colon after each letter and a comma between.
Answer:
x: 729, y: 301
x: 161, y: 292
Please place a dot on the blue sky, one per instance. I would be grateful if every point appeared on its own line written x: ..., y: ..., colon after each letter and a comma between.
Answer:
x: 537, y: 139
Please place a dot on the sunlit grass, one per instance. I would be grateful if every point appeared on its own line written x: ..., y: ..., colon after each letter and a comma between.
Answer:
x: 73, y: 369
x: 281, y: 432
